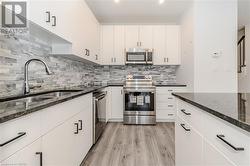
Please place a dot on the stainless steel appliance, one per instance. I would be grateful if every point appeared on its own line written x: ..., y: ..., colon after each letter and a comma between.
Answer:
x: 139, y: 56
x: 99, y: 114
x: 139, y: 100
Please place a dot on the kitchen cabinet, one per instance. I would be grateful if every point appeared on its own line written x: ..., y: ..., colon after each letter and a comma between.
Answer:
x: 107, y: 44
x: 208, y: 127
x: 212, y: 156
x: 61, y: 18
x: 188, y: 144
x: 139, y: 36
x: 68, y: 143
x: 62, y: 140
x: 132, y: 36
x: 167, y: 45
x: 173, y: 45
x: 159, y: 44
x: 117, y: 103
x: 113, y: 45
x: 163, y: 39
x: 119, y: 45
x: 165, y: 103
x: 29, y: 155
x: 146, y: 36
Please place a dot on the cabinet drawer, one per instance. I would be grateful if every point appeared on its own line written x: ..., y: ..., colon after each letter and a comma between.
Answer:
x: 169, y: 90
x: 30, y: 125
x: 215, y: 130
x: 190, y: 114
x: 162, y: 98
x: 163, y: 114
x: 169, y: 106
x: 56, y: 115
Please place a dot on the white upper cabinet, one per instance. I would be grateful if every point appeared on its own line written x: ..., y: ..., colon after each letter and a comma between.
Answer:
x: 131, y: 36
x: 72, y: 21
x: 107, y: 44
x: 173, y: 44
x: 146, y: 36
x: 119, y: 45
x: 163, y: 39
x: 159, y: 44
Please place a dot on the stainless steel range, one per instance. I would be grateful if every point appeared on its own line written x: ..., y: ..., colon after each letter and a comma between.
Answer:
x: 139, y: 100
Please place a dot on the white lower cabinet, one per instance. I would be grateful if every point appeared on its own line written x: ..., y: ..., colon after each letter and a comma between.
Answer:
x: 28, y: 156
x: 65, y: 142
x: 188, y: 145
x: 212, y: 156
x: 165, y: 103
x: 116, y: 103
x: 68, y: 143
x: 202, y: 145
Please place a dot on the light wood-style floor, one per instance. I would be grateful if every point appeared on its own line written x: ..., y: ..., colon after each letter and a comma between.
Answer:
x: 134, y: 145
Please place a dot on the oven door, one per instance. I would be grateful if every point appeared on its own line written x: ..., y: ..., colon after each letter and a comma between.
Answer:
x: 139, y: 103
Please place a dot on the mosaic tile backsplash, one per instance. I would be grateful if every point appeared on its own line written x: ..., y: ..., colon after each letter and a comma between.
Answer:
x: 15, y: 51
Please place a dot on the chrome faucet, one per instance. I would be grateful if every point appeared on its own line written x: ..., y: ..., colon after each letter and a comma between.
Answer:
x: 26, y: 70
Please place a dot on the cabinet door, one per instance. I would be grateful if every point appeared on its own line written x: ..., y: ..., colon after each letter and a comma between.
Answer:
x: 159, y: 44
x: 117, y: 103
x: 146, y: 36
x: 84, y: 139
x: 26, y: 156
x: 119, y: 45
x: 214, y: 157
x: 188, y: 145
x: 107, y: 44
x: 173, y: 44
x: 58, y: 145
x: 131, y: 36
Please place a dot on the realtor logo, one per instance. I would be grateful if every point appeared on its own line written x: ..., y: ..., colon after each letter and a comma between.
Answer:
x: 14, y: 15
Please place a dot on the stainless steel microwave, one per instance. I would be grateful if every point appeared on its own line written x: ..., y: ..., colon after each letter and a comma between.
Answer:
x: 139, y: 56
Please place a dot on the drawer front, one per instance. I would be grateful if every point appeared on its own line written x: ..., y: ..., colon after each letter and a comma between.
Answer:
x: 215, y: 130
x: 30, y: 125
x: 191, y: 115
x: 56, y: 115
x: 166, y: 105
x: 169, y: 90
x: 163, y: 114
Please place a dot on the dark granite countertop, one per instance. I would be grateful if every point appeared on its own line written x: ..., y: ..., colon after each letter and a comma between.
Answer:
x: 11, y: 109
x: 169, y: 85
x: 231, y: 107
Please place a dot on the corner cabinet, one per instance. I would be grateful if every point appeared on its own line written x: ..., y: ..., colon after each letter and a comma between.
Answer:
x: 164, y: 39
x: 62, y: 135
x: 72, y: 21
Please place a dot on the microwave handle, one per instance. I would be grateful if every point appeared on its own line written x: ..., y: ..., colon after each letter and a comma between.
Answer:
x: 146, y: 56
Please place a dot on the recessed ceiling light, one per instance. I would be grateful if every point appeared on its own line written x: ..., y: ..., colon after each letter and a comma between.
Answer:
x: 117, y: 1
x: 161, y: 1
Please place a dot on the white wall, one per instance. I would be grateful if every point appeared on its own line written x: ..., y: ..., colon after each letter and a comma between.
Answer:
x: 185, y: 72
x: 215, y: 31
x: 244, y: 77
x: 210, y: 26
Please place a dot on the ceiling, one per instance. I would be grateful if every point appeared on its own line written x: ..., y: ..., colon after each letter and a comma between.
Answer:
x: 138, y: 11
x: 243, y: 13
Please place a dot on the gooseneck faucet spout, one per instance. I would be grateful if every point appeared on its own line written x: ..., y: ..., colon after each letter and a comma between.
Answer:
x: 26, y: 71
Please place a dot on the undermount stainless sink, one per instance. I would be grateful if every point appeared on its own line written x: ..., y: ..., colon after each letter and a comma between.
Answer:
x: 39, y: 97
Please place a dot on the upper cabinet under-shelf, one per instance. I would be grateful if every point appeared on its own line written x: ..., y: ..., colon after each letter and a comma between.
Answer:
x: 165, y: 40
x: 72, y: 21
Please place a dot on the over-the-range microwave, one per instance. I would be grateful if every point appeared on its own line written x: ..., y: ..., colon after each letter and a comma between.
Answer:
x: 139, y: 56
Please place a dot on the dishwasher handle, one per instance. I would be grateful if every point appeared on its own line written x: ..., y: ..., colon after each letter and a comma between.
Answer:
x: 100, y: 97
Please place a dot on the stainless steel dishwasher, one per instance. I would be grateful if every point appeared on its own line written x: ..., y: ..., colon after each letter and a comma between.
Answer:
x: 99, y: 114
